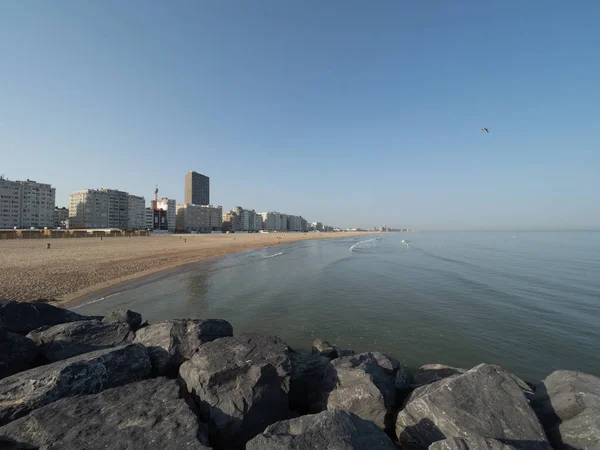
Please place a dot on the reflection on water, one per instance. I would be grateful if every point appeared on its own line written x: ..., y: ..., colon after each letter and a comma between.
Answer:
x: 529, y: 303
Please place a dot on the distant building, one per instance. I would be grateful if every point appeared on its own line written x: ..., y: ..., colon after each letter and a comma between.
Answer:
x: 197, y: 189
x: 26, y: 204
x: 316, y: 226
x: 202, y: 218
x: 99, y: 208
x: 258, y: 222
x: 61, y: 217
x: 136, y: 212
x: 148, y: 219
x: 294, y: 223
x: 170, y: 206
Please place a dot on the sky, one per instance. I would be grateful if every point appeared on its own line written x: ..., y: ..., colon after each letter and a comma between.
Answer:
x: 348, y: 112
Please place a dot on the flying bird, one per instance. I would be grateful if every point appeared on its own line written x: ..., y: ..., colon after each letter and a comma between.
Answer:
x: 485, y: 129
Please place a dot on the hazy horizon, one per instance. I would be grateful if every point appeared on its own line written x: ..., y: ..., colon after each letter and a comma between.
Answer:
x: 352, y: 114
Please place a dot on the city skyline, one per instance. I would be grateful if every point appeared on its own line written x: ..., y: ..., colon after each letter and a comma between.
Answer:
x: 346, y: 113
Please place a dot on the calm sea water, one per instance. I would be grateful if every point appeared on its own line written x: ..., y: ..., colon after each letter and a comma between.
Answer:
x: 528, y: 301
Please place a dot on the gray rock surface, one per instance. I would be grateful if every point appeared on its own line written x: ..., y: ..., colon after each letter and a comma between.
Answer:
x: 240, y: 385
x: 339, y: 430
x: 172, y: 342
x: 66, y: 340
x: 17, y: 353
x: 485, y: 401
x: 89, y: 373
x: 138, y: 416
x: 312, y: 379
x: 365, y: 386
x: 131, y: 318
x: 480, y: 443
x: 568, y: 405
x: 22, y: 317
x: 430, y: 373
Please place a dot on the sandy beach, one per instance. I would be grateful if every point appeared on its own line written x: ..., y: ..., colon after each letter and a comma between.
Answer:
x: 74, y: 268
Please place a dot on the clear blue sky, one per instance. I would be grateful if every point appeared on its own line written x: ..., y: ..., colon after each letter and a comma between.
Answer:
x: 353, y: 113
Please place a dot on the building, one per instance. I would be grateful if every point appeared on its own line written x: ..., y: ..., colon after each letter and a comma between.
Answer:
x: 231, y: 221
x: 136, y: 213
x: 197, y: 189
x: 258, y: 222
x: 316, y: 226
x: 61, y: 217
x: 99, y: 208
x: 200, y: 218
x: 148, y: 219
x: 295, y: 223
x: 268, y: 220
x: 26, y: 204
x: 170, y: 206
x: 303, y: 224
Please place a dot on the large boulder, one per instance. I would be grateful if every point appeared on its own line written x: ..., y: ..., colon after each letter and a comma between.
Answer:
x: 481, y: 443
x: 17, y: 353
x: 172, y: 342
x: 339, y: 430
x: 144, y: 415
x: 240, y: 385
x: 568, y: 405
x: 430, y: 373
x: 89, y: 373
x: 66, y: 340
x: 485, y: 401
x: 131, y: 318
x: 22, y: 317
x: 366, y: 386
x: 312, y: 379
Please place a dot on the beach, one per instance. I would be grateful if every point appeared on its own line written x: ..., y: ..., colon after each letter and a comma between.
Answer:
x: 73, y: 268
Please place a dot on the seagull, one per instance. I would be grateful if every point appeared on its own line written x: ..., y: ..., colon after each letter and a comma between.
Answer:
x: 485, y: 129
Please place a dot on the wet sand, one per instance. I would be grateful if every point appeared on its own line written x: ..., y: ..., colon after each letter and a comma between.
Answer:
x: 78, y: 267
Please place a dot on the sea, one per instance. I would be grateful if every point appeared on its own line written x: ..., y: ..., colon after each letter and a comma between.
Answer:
x: 528, y: 301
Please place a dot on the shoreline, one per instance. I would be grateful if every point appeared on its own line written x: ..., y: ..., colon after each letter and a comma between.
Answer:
x: 74, y: 269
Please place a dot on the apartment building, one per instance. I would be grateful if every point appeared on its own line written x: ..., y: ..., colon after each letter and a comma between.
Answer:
x: 197, y: 189
x: 202, y: 218
x: 61, y: 217
x: 25, y: 204
x: 136, y: 215
x: 99, y: 208
x: 148, y: 219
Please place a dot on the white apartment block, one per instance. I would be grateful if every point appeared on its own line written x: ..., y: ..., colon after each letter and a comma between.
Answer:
x: 25, y: 204
x: 98, y: 208
x: 203, y: 218
x: 136, y: 212
x: 170, y: 206
x: 283, y: 225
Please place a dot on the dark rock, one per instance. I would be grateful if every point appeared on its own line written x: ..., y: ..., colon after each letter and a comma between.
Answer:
x: 172, y: 342
x: 144, y: 415
x: 89, y: 373
x: 481, y: 443
x: 346, y: 352
x: 339, y: 430
x: 66, y: 340
x: 11, y: 444
x: 568, y: 405
x: 133, y: 319
x: 240, y: 385
x: 430, y: 373
x: 329, y: 353
x: 485, y: 401
x: 17, y: 353
x: 21, y: 317
x: 312, y: 379
x: 365, y: 386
